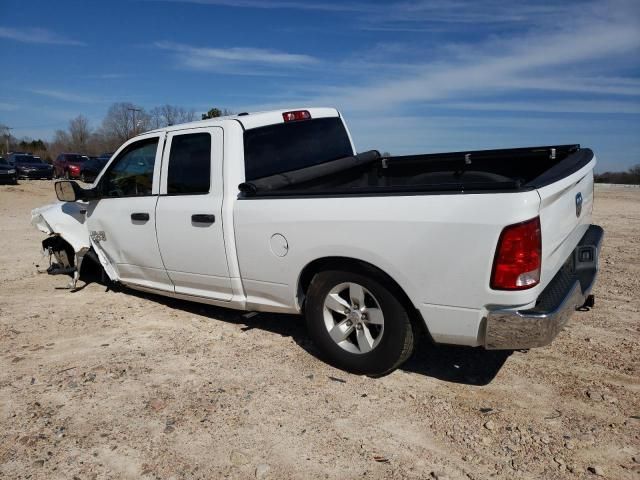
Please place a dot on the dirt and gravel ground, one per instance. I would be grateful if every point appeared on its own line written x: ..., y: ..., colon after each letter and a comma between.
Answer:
x: 116, y: 384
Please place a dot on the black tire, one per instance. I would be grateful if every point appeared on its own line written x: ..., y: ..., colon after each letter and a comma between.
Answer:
x: 83, y: 178
x: 397, y: 341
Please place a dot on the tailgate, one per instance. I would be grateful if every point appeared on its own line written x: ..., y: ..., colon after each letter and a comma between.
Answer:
x: 566, y: 205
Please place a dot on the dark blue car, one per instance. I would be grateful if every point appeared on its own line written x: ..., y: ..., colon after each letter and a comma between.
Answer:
x: 90, y: 169
x: 28, y: 166
x: 7, y: 172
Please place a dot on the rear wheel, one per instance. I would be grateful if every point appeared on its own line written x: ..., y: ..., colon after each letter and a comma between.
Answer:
x: 358, y: 323
x: 83, y: 179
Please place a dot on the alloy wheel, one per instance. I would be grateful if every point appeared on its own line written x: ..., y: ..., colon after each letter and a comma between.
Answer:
x: 353, y: 318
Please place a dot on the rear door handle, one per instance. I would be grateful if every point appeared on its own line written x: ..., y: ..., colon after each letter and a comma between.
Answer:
x: 203, y: 218
x: 139, y: 216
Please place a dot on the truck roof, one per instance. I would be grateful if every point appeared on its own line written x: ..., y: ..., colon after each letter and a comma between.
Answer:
x: 252, y: 119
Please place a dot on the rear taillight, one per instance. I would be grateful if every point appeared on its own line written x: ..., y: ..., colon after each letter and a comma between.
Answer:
x: 518, y: 257
x: 296, y: 115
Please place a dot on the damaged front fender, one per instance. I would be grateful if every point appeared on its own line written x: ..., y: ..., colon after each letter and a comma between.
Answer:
x: 66, y: 221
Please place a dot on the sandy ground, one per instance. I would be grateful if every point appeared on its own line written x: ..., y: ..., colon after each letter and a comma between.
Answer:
x: 108, y: 384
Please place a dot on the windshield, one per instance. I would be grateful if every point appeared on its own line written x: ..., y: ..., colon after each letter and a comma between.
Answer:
x: 95, y: 162
x: 75, y: 158
x: 290, y: 146
x: 26, y: 159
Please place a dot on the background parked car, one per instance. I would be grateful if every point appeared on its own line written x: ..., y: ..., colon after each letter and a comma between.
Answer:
x: 28, y: 166
x: 7, y: 172
x: 91, y: 168
x: 68, y: 165
x: 11, y: 156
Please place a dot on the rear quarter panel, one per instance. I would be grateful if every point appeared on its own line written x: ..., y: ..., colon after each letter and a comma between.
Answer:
x: 438, y: 248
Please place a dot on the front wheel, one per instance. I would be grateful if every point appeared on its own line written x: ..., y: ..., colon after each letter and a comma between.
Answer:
x: 358, y: 323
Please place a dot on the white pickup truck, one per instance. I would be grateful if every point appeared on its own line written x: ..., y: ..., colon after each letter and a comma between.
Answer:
x: 275, y: 212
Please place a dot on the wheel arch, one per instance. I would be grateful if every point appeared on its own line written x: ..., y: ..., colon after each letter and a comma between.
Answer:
x: 57, y: 243
x: 357, y: 266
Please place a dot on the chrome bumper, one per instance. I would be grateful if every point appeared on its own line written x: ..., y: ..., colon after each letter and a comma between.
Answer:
x: 567, y: 291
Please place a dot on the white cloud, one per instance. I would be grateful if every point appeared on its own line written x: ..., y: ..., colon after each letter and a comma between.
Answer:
x: 436, y: 15
x: 37, y: 35
x: 242, y: 61
x: 561, y: 106
x: 67, y: 96
x: 285, y: 5
x: 8, y: 107
x: 107, y: 76
x: 543, y: 60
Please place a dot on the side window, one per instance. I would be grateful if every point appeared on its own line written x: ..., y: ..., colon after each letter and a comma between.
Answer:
x: 131, y: 174
x: 189, y: 171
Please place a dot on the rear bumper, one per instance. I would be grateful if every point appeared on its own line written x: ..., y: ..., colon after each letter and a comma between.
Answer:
x: 567, y: 291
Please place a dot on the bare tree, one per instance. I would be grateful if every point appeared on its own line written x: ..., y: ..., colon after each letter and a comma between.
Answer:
x: 188, y: 115
x: 79, y: 133
x: 123, y: 121
x: 61, y: 143
x: 170, y: 115
x: 5, y: 132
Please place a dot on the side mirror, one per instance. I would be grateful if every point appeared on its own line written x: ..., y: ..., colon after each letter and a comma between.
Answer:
x: 65, y: 191
x: 70, y: 191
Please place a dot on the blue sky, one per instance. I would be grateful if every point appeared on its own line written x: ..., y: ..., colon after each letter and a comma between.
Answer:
x: 409, y: 75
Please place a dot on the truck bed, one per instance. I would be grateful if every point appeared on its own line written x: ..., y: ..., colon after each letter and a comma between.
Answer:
x: 516, y: 169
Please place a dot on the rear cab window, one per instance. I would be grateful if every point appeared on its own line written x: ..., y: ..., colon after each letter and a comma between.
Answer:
x: 189, y: 164
x: 291, y: 146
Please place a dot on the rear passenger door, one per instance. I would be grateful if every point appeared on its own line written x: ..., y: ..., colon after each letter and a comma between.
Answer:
x: 189, y: 213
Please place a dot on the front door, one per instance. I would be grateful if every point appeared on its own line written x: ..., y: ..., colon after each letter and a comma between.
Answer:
x: 122, y: 222
x: 189, y: 213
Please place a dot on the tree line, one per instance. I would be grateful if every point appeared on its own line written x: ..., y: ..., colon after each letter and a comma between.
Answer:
x: 125, y: 120
x: 630, y: 177
x: 122, y: 121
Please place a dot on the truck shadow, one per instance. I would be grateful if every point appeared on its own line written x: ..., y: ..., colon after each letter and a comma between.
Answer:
x: 455, y: 364
x: 464, y: 365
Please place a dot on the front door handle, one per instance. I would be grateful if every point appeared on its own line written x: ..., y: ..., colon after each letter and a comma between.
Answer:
x: 140, y: 216
x: 203, y: 218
